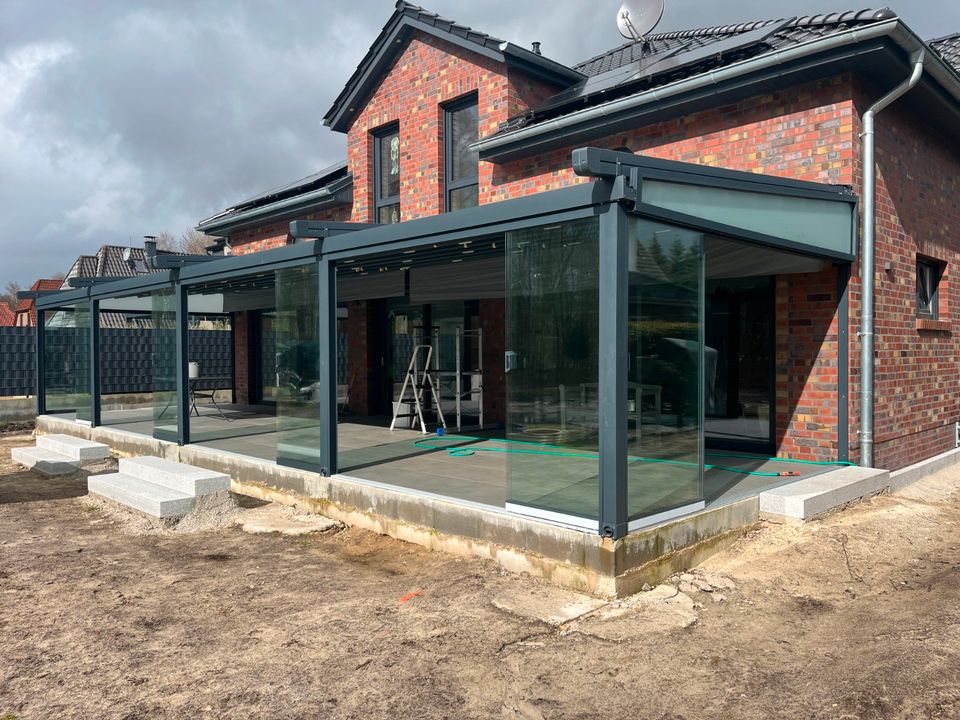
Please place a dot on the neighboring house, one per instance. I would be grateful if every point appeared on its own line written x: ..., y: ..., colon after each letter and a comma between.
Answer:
x: 114, y: 261
x: 634, y: 261
x: 26, y: 310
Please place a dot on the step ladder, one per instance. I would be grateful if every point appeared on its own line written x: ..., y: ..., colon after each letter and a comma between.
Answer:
x: 417, y: 381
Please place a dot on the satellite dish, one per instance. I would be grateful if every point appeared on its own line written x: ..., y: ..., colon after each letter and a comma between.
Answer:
x: 636, y: 18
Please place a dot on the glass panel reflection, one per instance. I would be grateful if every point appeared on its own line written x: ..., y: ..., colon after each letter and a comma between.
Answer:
x: 66, y: 335
x: 665, y: 325
x: 297, y: 326
x: 551, y: 361
x: 165, y: 406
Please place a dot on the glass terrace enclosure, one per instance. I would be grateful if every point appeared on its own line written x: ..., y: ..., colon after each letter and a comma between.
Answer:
x: 545, y: 356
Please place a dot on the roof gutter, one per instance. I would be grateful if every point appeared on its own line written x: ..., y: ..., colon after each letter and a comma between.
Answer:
x: 221, y: 225
x: 531, y: 138
x: 550, y: 69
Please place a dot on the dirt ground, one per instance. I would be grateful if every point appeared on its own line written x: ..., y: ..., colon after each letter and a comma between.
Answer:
x: 854, y: 616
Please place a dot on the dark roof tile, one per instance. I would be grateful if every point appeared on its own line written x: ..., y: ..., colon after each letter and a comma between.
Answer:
x: 949, y: 49
x: 665, y: 58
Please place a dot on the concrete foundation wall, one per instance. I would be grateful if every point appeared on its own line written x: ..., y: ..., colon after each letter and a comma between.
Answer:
x: 571, y: 558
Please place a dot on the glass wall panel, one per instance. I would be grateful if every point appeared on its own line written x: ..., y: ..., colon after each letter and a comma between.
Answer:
x: 225, y: 364
x: 164, y: 350
x: 552, y: 312
x: 67, y: 362
x: 126, y: 363
x: 298, y: 347
x: 666, y: 363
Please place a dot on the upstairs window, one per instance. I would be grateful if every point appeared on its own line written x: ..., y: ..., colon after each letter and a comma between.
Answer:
x: 462, y: 181
x: 928, y: 282
x: 386, y: 175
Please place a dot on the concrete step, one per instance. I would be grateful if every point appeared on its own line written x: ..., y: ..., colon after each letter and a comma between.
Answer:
x: 74, y: 447
x: 814, y: 496
x: 142, y: 495
x: 176, y: 476
x: 45, y: 461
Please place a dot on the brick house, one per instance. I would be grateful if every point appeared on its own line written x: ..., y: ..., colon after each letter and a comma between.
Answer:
x: 26, y: 312
x: 631, y: 274
x: 804, y: 124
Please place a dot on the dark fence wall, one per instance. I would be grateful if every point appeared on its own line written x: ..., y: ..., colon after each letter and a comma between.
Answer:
x: 126, y: 358
x: 18, y: 362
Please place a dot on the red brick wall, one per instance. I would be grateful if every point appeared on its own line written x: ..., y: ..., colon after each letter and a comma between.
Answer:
x: 274, y: 235
x: 429, y: 73
x: 804, y: 133
x: 917, y: 385
x: 241, y: 359
x: 807, y: 365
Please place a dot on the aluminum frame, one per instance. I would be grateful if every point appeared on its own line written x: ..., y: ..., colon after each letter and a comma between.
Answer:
x: 612, y: 198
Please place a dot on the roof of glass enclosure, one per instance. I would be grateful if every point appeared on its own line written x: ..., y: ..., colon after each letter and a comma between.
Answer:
x: 809, y: 218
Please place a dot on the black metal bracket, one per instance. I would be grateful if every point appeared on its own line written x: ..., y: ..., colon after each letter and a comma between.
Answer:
x: 320, y: 229
x: 172, y: 262
x: 34, y: 294
x: 82, y: 282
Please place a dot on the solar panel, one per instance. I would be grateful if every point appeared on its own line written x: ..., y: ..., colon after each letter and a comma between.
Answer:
x: 690, y: 53
x: 694, y: 56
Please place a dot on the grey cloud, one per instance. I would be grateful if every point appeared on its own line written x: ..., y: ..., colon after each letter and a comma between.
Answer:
x: 126, y: 118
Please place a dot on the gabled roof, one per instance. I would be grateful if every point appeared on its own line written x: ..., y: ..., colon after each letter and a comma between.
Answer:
x: 406, y: 20
x: 111, y: 261
x: 7, y: 318
x: 28, y: 305
x: 949, y: 49
x: 331, y: 186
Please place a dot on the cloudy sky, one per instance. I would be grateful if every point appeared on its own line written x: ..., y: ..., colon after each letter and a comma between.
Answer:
x: 120, y: 119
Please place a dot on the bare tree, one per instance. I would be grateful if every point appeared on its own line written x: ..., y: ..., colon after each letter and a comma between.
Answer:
x: 9, y: 294
x: 191, y: 242
x: 167, y: 241
x: 194, y: 242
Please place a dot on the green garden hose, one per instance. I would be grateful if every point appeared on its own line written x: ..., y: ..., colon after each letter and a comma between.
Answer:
x: 544, y: 449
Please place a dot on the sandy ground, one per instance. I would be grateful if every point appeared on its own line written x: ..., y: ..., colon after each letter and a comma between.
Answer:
x: 854, y: 616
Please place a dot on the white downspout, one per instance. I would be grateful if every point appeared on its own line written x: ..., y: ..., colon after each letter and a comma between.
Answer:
x: 867, y: 258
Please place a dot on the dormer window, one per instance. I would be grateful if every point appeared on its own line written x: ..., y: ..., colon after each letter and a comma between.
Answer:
x: 462, y: 180
x: 386, y: 175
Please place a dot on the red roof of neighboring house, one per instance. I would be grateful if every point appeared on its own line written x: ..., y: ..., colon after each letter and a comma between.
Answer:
x: 7, y: 318
x: 27, y: 305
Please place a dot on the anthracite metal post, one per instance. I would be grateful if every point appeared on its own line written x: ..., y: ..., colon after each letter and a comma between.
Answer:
x: 41, y: 365
x: 182, y: 325
x: 94, y: 363
x: 327, y: 340
x: 614, y: 360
